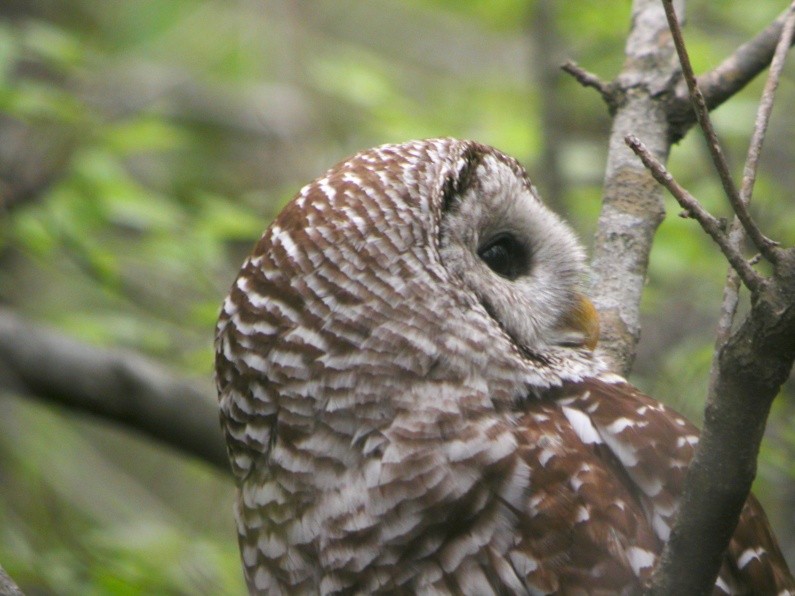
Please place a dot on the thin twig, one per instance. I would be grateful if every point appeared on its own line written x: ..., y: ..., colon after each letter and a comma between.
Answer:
x: 766, y: 106
x: 588, y: 79
x: 710, y: 224
x: 765, y: 245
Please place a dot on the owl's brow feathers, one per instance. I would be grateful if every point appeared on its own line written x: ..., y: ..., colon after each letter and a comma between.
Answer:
x: 460, y: 180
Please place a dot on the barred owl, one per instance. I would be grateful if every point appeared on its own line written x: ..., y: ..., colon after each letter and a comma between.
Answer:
x: 411, y: 400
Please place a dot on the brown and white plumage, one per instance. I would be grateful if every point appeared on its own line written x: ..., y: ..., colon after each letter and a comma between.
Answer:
x: 411, y: 402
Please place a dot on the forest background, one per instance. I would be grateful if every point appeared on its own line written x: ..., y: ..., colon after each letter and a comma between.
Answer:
x: 145, y: 145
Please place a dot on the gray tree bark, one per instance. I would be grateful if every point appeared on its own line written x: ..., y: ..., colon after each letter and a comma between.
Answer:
x: 7, y: 585
x: 632, y: 205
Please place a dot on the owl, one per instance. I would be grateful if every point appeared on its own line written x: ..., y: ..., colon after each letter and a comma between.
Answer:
x: 412, y: 403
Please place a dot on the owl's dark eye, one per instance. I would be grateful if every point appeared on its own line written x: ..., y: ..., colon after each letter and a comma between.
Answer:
x: 505, y: 255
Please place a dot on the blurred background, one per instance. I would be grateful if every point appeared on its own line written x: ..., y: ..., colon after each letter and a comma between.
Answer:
x: 145, y: 145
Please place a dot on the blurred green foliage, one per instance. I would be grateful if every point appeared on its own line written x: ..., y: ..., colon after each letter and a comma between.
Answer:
x: 145, y: 145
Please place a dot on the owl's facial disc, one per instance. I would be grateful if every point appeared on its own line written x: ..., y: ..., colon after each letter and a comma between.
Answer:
x: 522, y: 263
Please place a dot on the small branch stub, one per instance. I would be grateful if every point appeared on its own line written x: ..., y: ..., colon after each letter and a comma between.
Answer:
x: 588, y: 79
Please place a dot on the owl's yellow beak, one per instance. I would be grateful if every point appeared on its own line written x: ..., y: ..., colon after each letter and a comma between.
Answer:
x: 581, y: 323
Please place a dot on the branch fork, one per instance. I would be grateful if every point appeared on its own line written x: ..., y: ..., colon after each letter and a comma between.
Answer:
x: 693, y: 209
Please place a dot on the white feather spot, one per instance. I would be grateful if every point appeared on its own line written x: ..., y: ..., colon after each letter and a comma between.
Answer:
x: 661, y: 527
x: 258, y: 326
x: 308, y: 337
x: 255, y: 361
x: 582, y: 425
x: 286, y: 241
x: 256, y: 300
x: 515, y: 491
x: 262, y: 579
x: 524, y: 564
x: 625, y: 453
x: 229, y: 307
x: 458, y: 451
x: 639, y: 558
x: 501, y: 447
x: 327, y: 189
x: 534, y: 503
x: 249, y: 555
x: 749, y: 555
x: 472, y: 576
x: 275, y: 232
x: 545, y: 456
x: 611, y: 378
x: 271, y: 546
x: 269, y: 492
x: 455, y: 552
x: 618, y: 425
x: 650, y: 486
x: 242, y: 461
x: 686, y: 440
x: 720, y: 584
x: 285, y: 359
x: 666, y: 510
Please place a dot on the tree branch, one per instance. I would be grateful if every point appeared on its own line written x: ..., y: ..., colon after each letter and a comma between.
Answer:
x: 732, y: 286
x: 766, y: 105
x: 589, y: 79
x: 115, y: 385
x: 7, y: 585
x: 753, y: 365
x: 765, y: 246
x: 756, y: 362
x: 693, y: 208
x: 728, y: 78
x: 632, y: 206
x: 647, y: 101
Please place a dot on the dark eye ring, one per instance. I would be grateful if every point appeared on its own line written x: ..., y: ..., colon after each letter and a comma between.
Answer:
x: 505, y: 255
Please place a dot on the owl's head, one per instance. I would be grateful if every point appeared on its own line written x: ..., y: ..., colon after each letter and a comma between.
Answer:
x: 521, y: 261
x: 431, y: 260
x: 439, y: 219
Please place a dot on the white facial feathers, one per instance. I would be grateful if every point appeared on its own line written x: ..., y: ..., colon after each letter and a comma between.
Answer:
x: 498, y: 204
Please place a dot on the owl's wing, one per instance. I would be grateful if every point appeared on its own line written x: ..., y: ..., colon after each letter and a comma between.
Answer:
x: 614, y: 485
x: 583, y: 529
